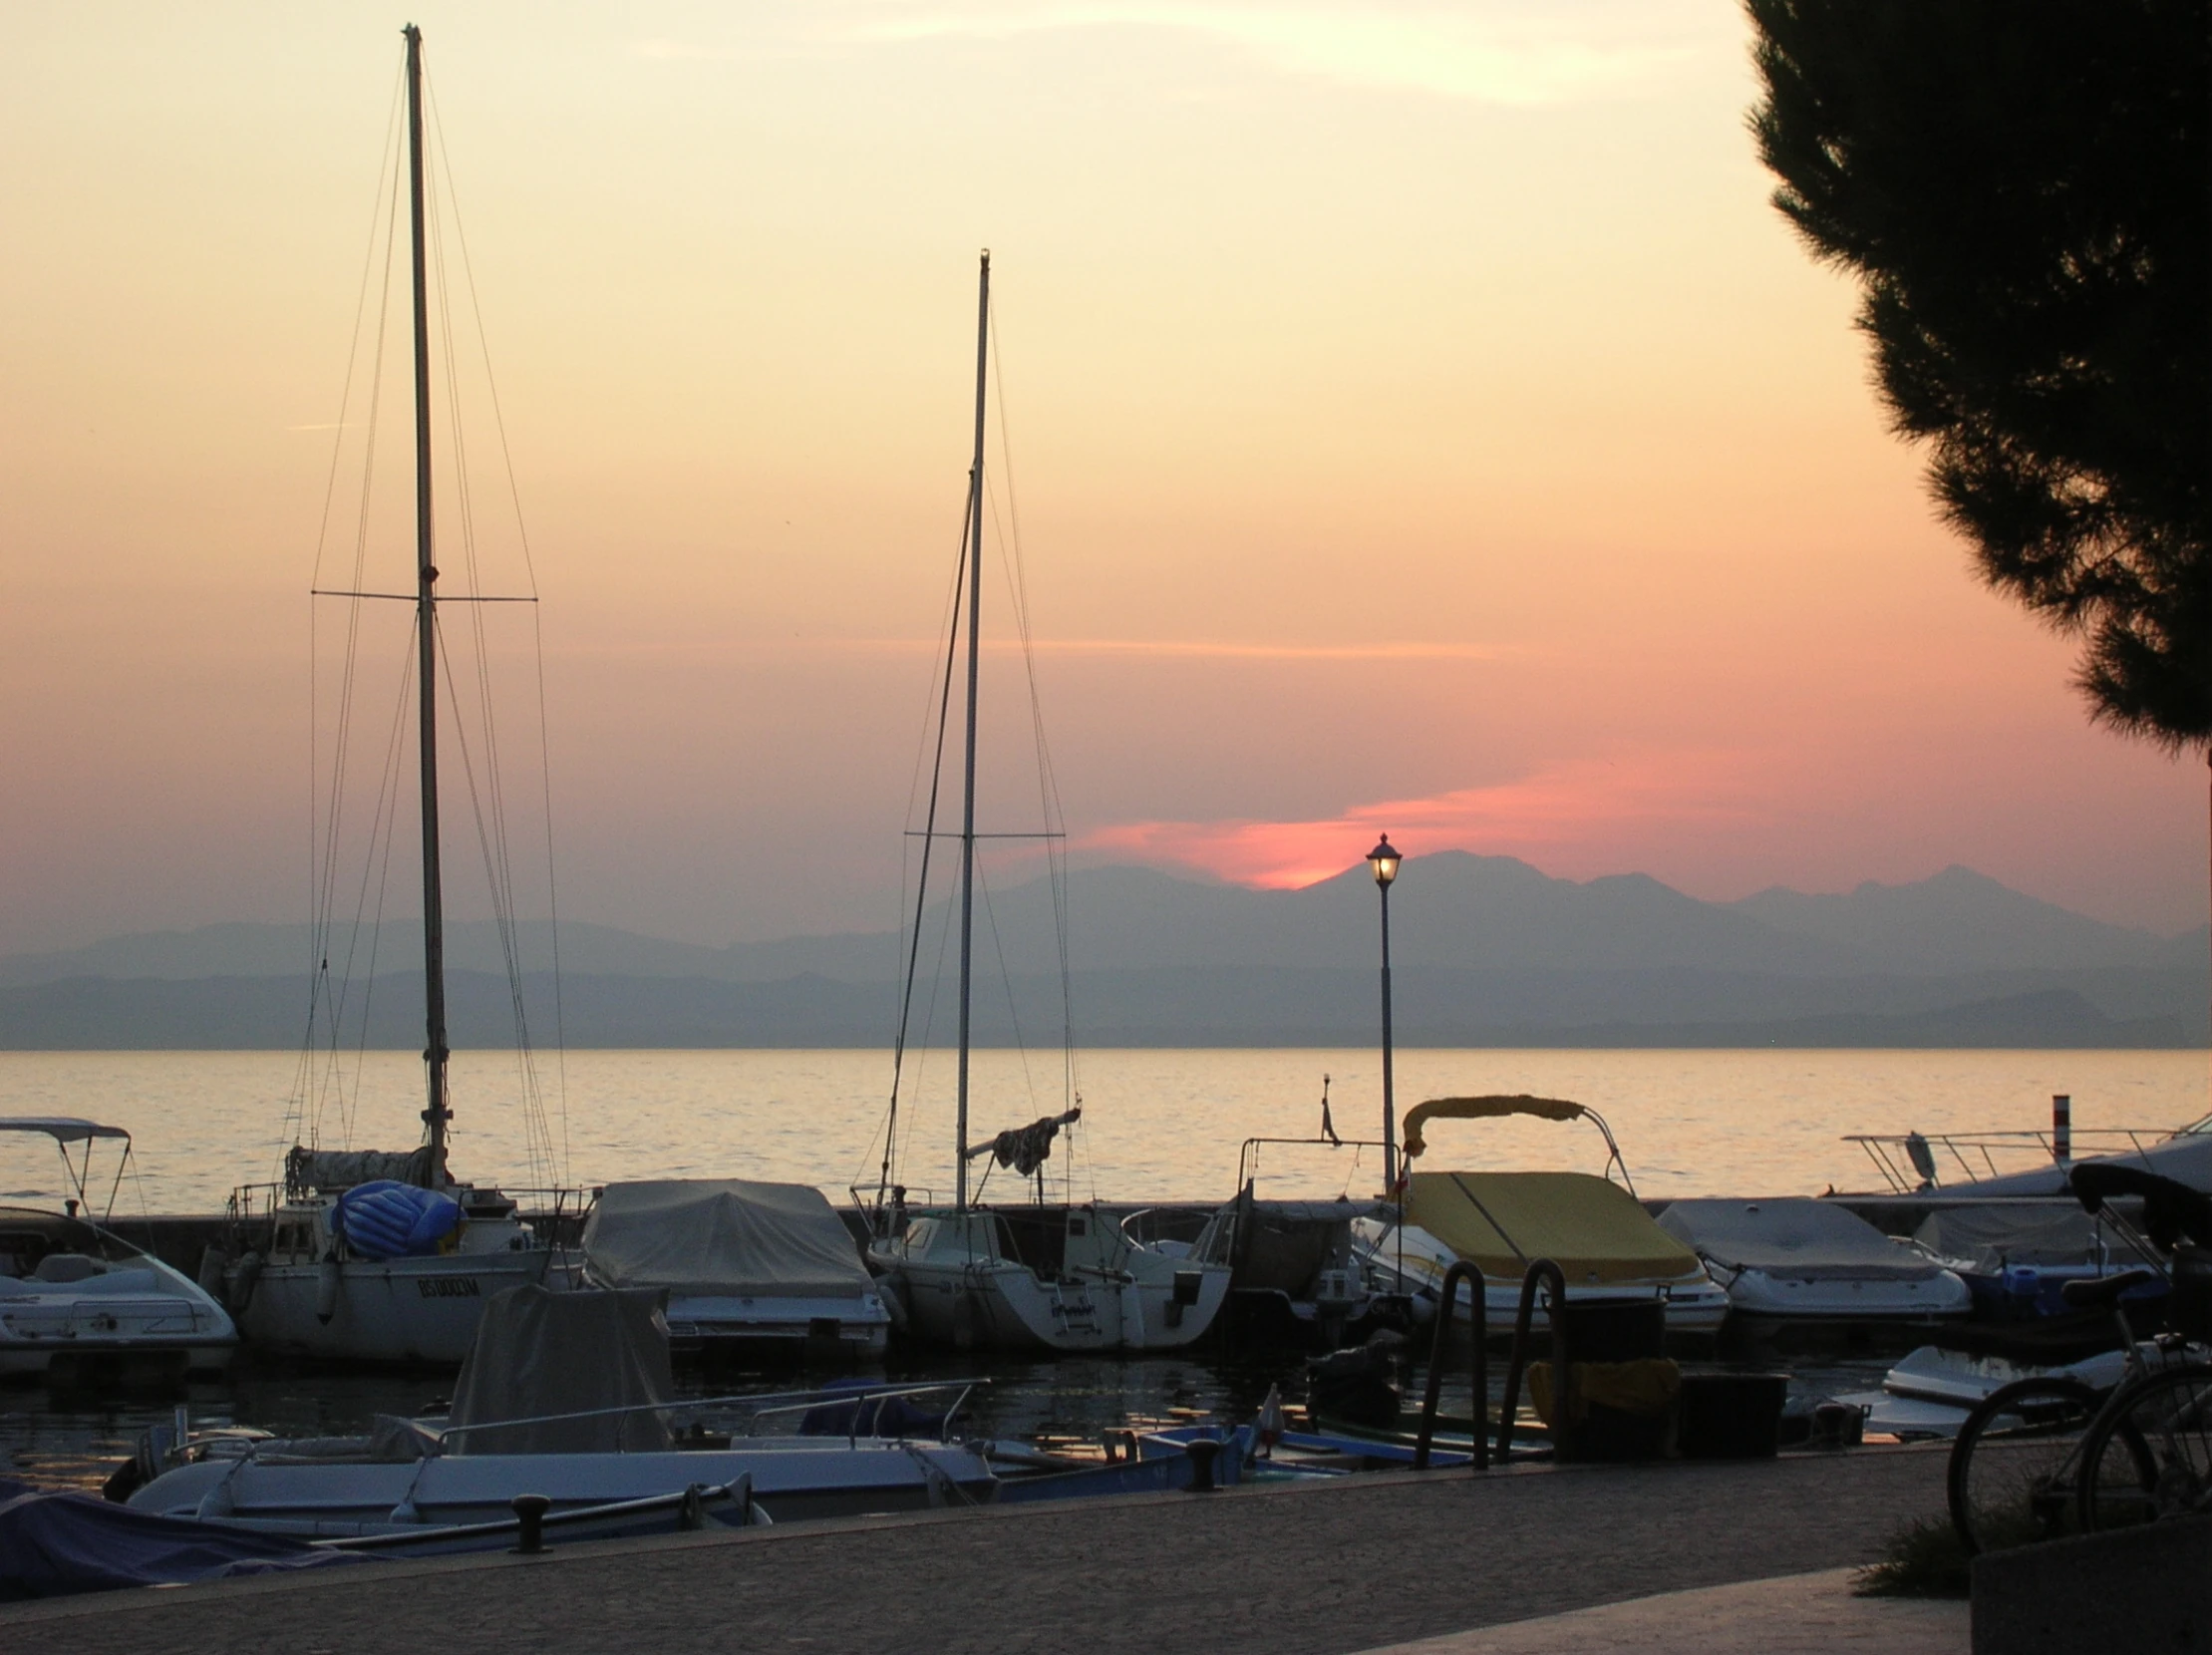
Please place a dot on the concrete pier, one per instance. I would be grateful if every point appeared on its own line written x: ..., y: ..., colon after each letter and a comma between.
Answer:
x: 1312, y: 1569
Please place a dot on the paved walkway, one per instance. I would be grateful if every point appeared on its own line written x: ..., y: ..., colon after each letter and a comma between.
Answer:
x: 1295, y: 1570
x: 1797, y: 1614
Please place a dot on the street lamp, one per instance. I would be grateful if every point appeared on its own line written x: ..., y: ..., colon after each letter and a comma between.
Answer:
x: 1384, y: 858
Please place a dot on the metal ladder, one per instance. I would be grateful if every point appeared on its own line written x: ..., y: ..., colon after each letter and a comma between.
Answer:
x: 1542, y: 1272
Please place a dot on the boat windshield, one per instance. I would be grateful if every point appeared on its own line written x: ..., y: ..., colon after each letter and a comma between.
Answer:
x: 29, y: 1236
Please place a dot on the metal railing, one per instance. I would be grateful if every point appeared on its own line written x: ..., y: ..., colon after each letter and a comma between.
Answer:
x: 1898, y: 1157
x: 756, y: 1408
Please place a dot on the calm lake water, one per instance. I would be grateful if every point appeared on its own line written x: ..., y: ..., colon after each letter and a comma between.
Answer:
x: 1157, y: 1125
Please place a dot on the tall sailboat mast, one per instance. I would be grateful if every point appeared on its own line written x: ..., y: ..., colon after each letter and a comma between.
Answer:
x: 435, y: 1114
x: 968, y: 805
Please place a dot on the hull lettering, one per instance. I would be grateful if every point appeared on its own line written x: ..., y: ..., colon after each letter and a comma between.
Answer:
x: 447, y: 1288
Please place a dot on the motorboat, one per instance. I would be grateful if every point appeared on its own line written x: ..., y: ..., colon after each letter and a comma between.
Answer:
x: 750, y: 1268
x: 2017, y: 1256
x: 1608, y: 1248
x: 2034, y: 1162
x: 1931, y: 1391
x: 1792, y: 1262
x: 569, y: 1396
x: 76, y: 1297
x: 1295, y: 1274
x: 1019, y: 1275
x: 314, y: 1273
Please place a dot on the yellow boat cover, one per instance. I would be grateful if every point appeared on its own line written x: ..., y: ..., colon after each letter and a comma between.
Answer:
x: 1593, y: 1229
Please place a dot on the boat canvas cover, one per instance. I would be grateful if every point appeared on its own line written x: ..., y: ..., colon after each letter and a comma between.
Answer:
x: 329, y: 1171
x: 1991, y: 1235
x: 723, y: 1237
x: 1592, y: 1229
x: 55, y: 1543
x: 539, y: 1352
x: 1796, y: 1237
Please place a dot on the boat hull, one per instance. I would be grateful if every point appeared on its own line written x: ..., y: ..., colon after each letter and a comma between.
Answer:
x: 120, y: 1318
x: 794, y: 1479
x: 1046, y: 1278
x: 765, y: 1327
x: 412, y: 1311
x: 1008, y: 1307
x: 1696, y: 1305
x: 120, y: 1359
x: 1776, y: 1298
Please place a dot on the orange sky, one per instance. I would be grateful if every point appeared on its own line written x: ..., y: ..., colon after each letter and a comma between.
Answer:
x: 1418, y: 419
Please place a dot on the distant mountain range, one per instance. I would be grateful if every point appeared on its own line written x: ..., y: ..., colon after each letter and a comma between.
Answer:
x: 1487, y: 950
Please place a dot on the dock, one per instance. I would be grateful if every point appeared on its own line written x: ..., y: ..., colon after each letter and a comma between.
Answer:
x: 1330, y: 1568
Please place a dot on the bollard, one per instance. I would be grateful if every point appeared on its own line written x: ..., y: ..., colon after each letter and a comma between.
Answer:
x: 529, y: 1512
x: 1203, y: 1452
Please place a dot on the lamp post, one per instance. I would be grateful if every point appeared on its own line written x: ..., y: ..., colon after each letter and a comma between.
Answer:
x: 1383, y: 860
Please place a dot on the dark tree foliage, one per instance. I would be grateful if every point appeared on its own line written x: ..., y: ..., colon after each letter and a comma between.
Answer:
x: 2025, y: 189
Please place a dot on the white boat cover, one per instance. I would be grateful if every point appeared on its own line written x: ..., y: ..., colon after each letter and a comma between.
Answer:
x: 1987, y: 1236
x: 1796, y: 1237
x: 724, y: 1238
x: 539, y: 1352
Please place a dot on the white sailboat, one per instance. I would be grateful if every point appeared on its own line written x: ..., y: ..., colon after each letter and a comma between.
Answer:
x: 1063, y: 1277
x: 309, y: 1283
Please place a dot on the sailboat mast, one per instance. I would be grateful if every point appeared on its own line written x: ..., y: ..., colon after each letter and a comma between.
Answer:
x: 968, y: 805
x: 436, y: 1113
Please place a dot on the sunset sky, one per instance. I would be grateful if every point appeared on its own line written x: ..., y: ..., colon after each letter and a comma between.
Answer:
x: 1418, y: 421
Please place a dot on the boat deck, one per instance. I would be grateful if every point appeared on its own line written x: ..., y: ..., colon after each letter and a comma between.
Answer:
x: 1318, y: 1569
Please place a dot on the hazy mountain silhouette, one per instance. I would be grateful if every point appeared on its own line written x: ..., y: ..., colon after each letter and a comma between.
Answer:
x: 1488, y: 950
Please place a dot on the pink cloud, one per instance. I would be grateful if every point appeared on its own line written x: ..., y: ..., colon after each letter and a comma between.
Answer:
x: 1561, y: 810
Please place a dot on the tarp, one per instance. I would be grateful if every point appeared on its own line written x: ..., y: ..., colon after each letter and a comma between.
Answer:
x: 53, y: 1543
x: 1796, y: 1237
x: 1593, y: 1229
x: 539, y: 1353
x: 1990, y: 1236
x: 727, y: 1237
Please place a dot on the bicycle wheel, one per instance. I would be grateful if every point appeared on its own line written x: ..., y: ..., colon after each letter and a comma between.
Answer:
x: 2150, y: 1455
x: 2011, y: 1473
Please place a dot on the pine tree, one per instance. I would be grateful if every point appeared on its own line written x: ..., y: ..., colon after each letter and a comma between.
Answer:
x: 2024, y: 188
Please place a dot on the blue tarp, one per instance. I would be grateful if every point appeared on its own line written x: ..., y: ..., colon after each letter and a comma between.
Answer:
x: 53, y: 1543
x: 390, y: 1219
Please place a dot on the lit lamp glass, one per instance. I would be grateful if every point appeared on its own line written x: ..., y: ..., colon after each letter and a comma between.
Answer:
x: 1383, y: 860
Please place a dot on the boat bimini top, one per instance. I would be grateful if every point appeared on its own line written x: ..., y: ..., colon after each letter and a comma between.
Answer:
x: 1594, y: 1228
x: 1495, y: 1106
x: 66, y: 1129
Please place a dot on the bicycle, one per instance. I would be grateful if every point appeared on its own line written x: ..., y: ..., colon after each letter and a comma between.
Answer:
x: 2050, y: 1455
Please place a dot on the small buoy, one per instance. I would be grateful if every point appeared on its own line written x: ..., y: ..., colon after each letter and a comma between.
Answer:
x: 326, y: 1289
